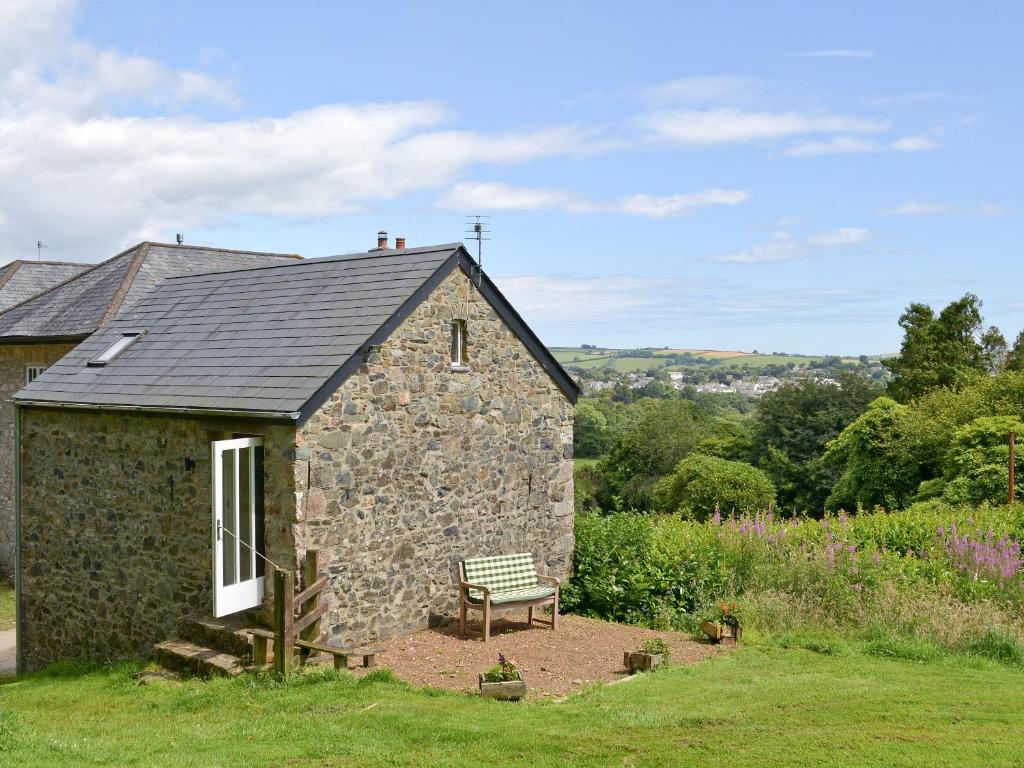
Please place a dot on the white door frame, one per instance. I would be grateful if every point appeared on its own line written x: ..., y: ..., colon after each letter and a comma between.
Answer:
x: 245, y: 589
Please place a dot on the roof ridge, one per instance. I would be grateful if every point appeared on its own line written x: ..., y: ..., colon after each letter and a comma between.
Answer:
x: 6, y: 278
x: 49, y: 262
x: 241, y: 251
x: 357, y: 256
x: 126, y: 284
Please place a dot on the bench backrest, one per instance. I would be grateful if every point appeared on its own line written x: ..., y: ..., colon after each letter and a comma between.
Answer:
x: 502, y: 572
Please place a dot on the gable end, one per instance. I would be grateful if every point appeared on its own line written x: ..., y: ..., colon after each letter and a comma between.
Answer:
x: 462, y: 260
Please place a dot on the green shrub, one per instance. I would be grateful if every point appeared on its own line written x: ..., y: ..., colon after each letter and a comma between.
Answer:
x: 702, y: 484
x: 933, y: 576
x: 978, y: 461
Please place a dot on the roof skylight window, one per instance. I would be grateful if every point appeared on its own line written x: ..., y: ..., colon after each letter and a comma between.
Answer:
x: 122, y: 343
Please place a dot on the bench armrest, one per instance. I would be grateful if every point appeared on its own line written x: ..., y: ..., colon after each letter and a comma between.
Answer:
x: 549, y: 580
x: 465, y: 586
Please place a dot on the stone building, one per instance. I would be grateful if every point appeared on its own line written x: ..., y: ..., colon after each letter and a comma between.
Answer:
x: 389, y: 409
x: 38, y: 327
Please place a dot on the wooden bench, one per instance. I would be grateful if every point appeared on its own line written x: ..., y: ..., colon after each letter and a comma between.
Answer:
x: 340, y: 654
x: 504, y: 583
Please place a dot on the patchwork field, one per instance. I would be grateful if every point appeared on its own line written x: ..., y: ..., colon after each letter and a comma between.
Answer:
x: 597, y: 359
x: 754, y: 707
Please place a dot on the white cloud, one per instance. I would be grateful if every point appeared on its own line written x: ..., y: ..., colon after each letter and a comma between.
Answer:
x: 733, y: 126
x: 846, y: 145
x: 993, y: 209
x: 914, y: 144
x: 844, y: 236
x: 569, y: 309
x: 926, y: 208
x: 43, y: 66
x: 835, y: 145
x: 918, y: 208
x: 783, y: 246
x: 469, y: 196
x: 85, y: 180
x: 704, y: 88
x: 840, y: 53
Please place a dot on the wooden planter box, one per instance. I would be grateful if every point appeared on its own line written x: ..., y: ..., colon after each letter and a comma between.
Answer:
x: 637, y: 661
x: 719, y: 632
x: 512, y: 690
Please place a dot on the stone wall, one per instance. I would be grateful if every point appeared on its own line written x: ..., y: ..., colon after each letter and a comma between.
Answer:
x: 116, y: 527
x: 14, y: 359
x: 412, y: 466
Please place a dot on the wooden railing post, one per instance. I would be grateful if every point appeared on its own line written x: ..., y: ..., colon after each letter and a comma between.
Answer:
x: 284, y: 621
x: 310, y: 573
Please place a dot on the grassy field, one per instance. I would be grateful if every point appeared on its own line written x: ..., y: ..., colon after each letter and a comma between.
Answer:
x: 573, y: 357
x: 754, y: 707
x: 6, y: 606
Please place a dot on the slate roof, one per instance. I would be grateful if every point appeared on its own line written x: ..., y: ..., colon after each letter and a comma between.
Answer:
x: 88, y: 300
x: 275, y: 341
x: 21, y: 280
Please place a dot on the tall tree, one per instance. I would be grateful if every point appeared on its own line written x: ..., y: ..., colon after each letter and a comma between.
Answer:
x: 944, y: 351
x: 1015, y: 357
x: 794, y: 424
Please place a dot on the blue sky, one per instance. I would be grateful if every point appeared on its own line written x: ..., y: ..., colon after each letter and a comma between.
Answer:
x: 783, y: 176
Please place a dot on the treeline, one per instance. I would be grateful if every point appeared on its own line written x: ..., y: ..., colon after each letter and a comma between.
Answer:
x: 937, y: 430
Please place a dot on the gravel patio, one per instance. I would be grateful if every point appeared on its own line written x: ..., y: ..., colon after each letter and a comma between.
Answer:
x: 583, y: 651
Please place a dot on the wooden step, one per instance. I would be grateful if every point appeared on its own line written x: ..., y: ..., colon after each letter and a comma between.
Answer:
x: 228, y: 635
x: 181, y: 655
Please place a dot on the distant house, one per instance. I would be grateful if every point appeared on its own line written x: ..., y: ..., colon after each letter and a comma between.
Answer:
x: 44, y: 326
x: 21, y: 280
x: 389, y: 409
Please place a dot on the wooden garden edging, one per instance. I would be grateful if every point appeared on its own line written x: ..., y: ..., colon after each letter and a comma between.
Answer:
x: 297, y: 620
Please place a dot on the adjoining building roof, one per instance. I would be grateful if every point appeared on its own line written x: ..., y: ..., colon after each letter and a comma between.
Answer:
x: 274, y: 342
x: 21, y: 280
x: 88, y: 300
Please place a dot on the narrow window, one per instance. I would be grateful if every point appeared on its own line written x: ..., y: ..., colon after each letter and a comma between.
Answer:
x: 458, y: 343
x: 122, y: 343
x: 33, y: 371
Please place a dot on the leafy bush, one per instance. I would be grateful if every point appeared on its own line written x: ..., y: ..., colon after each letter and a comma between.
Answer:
x: 931, y: 576
x: 979, y: 460
x: 702, y: 484
x: 641, y: 569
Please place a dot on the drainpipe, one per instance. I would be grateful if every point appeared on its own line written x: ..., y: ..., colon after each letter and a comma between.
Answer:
x: 19, y: 664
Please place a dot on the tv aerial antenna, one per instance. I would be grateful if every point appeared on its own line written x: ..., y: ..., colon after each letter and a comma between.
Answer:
x: 39, y: 249
x: 478, y: 227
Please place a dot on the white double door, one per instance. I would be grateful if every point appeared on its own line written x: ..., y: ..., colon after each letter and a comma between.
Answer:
x: 237, y: 576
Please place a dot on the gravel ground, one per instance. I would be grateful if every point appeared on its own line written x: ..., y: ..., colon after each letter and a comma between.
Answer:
x: 581, y: 652
x: 7, y: 640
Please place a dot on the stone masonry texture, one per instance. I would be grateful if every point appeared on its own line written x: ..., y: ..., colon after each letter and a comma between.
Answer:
x: 14, y: 360
x: 409, y: 467
x: 116, y: 527
x: 412, y: 466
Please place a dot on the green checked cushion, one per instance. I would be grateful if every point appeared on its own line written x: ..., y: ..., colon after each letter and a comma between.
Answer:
x: 504, y: 575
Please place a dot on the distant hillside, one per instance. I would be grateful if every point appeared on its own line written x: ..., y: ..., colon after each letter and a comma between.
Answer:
x: 639, y: 360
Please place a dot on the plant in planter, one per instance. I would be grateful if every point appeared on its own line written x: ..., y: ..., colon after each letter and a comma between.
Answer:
x: 723, y: 623
x: 652, y: 654
x: 503, y: 681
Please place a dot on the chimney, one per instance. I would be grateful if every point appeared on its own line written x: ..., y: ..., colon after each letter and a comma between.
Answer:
x: 180, y: 238
x: 399, y: 243
x: 382, y: 241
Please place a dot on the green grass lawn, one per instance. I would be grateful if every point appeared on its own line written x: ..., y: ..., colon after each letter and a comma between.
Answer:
x: 6, y: 606
x: 755, y: 707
